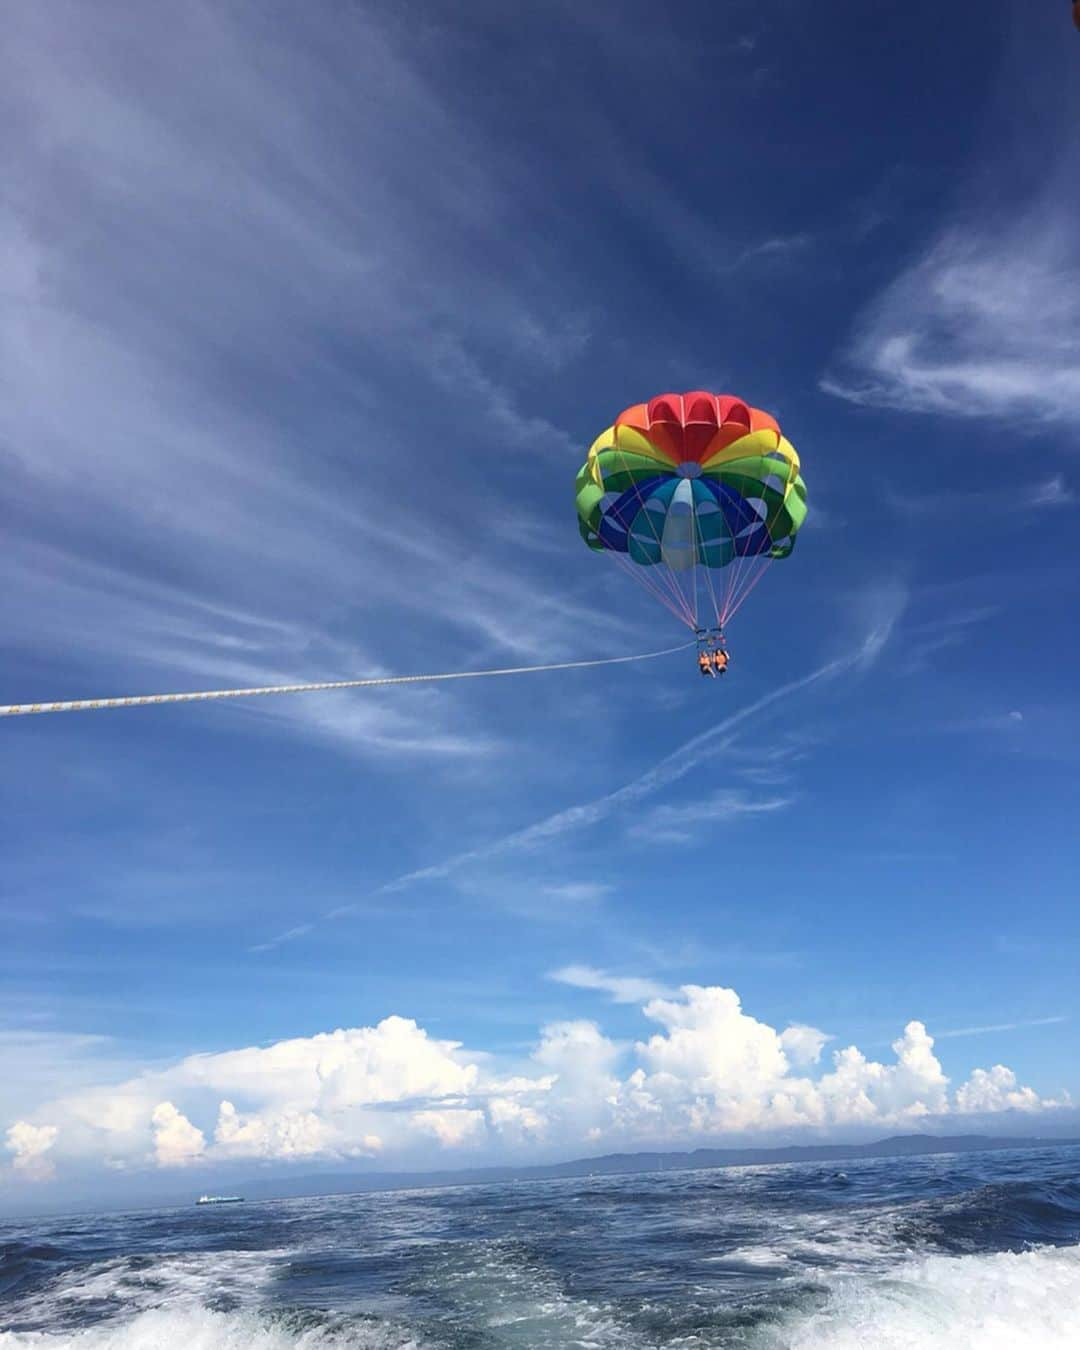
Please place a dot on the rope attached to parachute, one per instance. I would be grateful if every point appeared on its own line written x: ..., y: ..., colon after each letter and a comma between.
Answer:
x: 142, y: 700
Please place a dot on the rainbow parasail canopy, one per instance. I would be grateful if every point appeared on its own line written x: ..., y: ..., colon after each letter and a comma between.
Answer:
x: 694, y: 495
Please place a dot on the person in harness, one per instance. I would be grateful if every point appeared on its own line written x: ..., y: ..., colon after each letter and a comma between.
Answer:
x: 712, y: 652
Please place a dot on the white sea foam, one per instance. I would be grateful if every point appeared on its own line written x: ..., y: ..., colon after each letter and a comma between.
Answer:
x: 754, y: 1256
x: 125, y: 1286
x: 201, y: 1329
x: 1004, y: 1301
x: 518, y: 1304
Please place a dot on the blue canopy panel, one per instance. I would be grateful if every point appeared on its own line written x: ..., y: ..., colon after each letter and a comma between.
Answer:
x: 617, y: 515
x: 725, y: 524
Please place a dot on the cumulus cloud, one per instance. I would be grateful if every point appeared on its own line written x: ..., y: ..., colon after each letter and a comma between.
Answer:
x: 513, y: 1120
x: 452, y: 1127
x: 316, y: 1096
x: 996, y: 1089
x: 29, y: 1144
x: 706, y: 1070
x: 339, y: 1069
x: 176, y: 1141
x: 709, y: 1045
x: 802, y: 1044
x: 859, y: 1089
x: 273, y: 1134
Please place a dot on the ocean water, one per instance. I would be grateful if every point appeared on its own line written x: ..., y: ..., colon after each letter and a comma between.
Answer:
x: 957, y: 1251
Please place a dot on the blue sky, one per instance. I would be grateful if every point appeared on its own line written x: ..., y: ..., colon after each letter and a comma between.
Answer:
x: 307, y: 321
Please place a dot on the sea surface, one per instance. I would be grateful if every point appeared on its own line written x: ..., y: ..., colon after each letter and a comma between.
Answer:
x: 959, y: 1250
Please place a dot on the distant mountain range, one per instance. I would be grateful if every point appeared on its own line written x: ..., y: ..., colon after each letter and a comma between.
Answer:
x: 612, y: 1164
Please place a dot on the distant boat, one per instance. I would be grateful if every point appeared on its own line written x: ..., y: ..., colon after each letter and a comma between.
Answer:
x: 219, y: 1199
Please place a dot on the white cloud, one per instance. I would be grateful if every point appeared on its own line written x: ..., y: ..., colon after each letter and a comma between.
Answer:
x: 583, y: 1084
x: 29, y: 1144
x: 712, y: 1069
x: 176, y: 1141
x: 778, y: 249
x: 515, y: 1121
x: 996, y: 1089
x: 883, y: 607
x: 622, y: 988
x: 304, y: 1097
x: 1002, y: 1026
x: 127, y: 334
x: 802, y: 1044
x: 877, y: 610
x: 337, y: 1070
x: 577, y: 894
x: 862, y: 1090
x: 1052, y: 491
x: 451, y: 1128
x: 285, y: 1134
x: 667, y: 824
x: 33, y: 1061
x: 708, y: 1070
x: 986, y: 324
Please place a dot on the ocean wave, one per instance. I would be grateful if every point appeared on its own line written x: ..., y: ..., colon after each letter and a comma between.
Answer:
x: 1004, y: 1301
x: 203, y: 1329
x: 964, y: 1253
x: 123, y: 1286
x: 1003, y: 1216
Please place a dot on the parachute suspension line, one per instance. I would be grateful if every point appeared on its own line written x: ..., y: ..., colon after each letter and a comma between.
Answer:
x: 731, y: 576
x: 640, y: 575
x: 669, y: 596
x: 694, y: 565
x: 740, y: 566
x: 770, y: 521
x: 753, y: 582
x: 673, y: 588
x: 708, y: 573
x: 735, y: 601
x: 674, y: 603
x: 754, y: 566
x: 141, y: 700
x: 637, y: 574
x: 748, y: 571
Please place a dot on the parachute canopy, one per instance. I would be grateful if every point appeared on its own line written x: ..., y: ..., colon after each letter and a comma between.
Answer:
x: 694, y: 494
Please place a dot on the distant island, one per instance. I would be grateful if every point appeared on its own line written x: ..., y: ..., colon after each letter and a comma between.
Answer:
x: 614, y: 1164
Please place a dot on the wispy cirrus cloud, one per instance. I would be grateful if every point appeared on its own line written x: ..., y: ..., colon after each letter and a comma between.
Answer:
x: 984, y: 320
x: 928, y: 638
x: 620, y: 988
x: 670, y: 770
x: 959, y: 508
x: 1053, y: 491
x: 987, y: 324
x: 994, y: 1027
x: 883, y: 608
x: 682, y: 823
x: 200, y: 381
